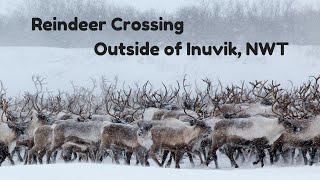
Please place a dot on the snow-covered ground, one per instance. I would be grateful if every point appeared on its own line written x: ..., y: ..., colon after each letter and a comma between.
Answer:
x: 61, y: 66
x: 106, y: 171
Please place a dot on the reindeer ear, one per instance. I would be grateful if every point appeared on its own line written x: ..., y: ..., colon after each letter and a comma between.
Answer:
x: 192, y: 122
x: 201, y: 124
x: 149, y: 126
x: 141, y: 124
x: 289, y: 125
x: 280, y: 120
x: 227, y: 115
x: 145, y: 125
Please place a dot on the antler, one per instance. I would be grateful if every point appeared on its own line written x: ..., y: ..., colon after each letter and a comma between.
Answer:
x: 3, y: 101
x: 27, y: 99
x: 38, y: 99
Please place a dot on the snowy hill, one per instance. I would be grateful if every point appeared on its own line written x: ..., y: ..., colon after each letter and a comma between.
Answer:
x: 61, y: 66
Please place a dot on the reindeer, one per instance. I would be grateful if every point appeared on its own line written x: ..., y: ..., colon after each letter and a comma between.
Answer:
x: 124, y: 136
x: 258, y: 132
x: 305, y: 117
x: 80, y: 103
x: 27, y: 143
x: 14, y: 122
x: 4, y: 153
x: 83, y: 150
x: 175, y: 136
x: 191, y: 108
x: 120, y: 135
x: 42, y: 138
x: 89, y: 131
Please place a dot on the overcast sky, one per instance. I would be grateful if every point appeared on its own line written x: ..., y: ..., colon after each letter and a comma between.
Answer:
x: 161, y: 5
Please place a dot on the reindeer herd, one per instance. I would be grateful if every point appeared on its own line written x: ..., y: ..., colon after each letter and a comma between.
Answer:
x: 256, y: 121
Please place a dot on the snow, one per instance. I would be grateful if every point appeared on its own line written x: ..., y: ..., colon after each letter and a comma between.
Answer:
x: 102, y: 171
x: 61, y: 66
x: 8, y: 6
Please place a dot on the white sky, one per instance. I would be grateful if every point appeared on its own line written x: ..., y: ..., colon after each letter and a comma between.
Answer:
x: 161, y: 5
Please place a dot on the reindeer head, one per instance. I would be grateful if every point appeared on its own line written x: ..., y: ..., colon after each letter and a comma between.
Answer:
x: 82, y: 102
x: 120, y: 105
x: 291, y: 125
x: 286, y: 114
x: 17, y: 114
x: 17, y: 128
x: 144, y: 127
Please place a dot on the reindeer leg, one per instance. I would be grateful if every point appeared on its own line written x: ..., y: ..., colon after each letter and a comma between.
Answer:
x: 204, y: 153
x: 86, y: 155
x: 116, y: 156
x: 262, y: 155
x: 55, y: 154
x: 178, y: 156
x: 139, y: 159
x: 99, y: 156
x: 270, y: 155
x: 25, y: 156
x: 237, y: 153
x: 191, y: 159
x: 31, y: 153
x: 104, y: 146
x: 172, y: 156
x: 275, y: 147
x: 19, y: 155
x: 304, y: 155
x: 164, y: 157
x: 200, y: 157
x: 313, y: 155
x: 293, y: 154
x: 17, y: 150
x: 73, y: 156
x: 212, y: 155
x: 241, y: 154
x: 10, y: 158
x: 153, y: 156
x: 40, y: 156
x: 142, y: 156
x: 34, y: 157
x: 91, y: 155
x: 285, y: 155
x: 80, y: 157
x: 146, y: 157
x: 128, y: 157
x: 1, y: 161
x: 50, y: 151
x: 230, y: 152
